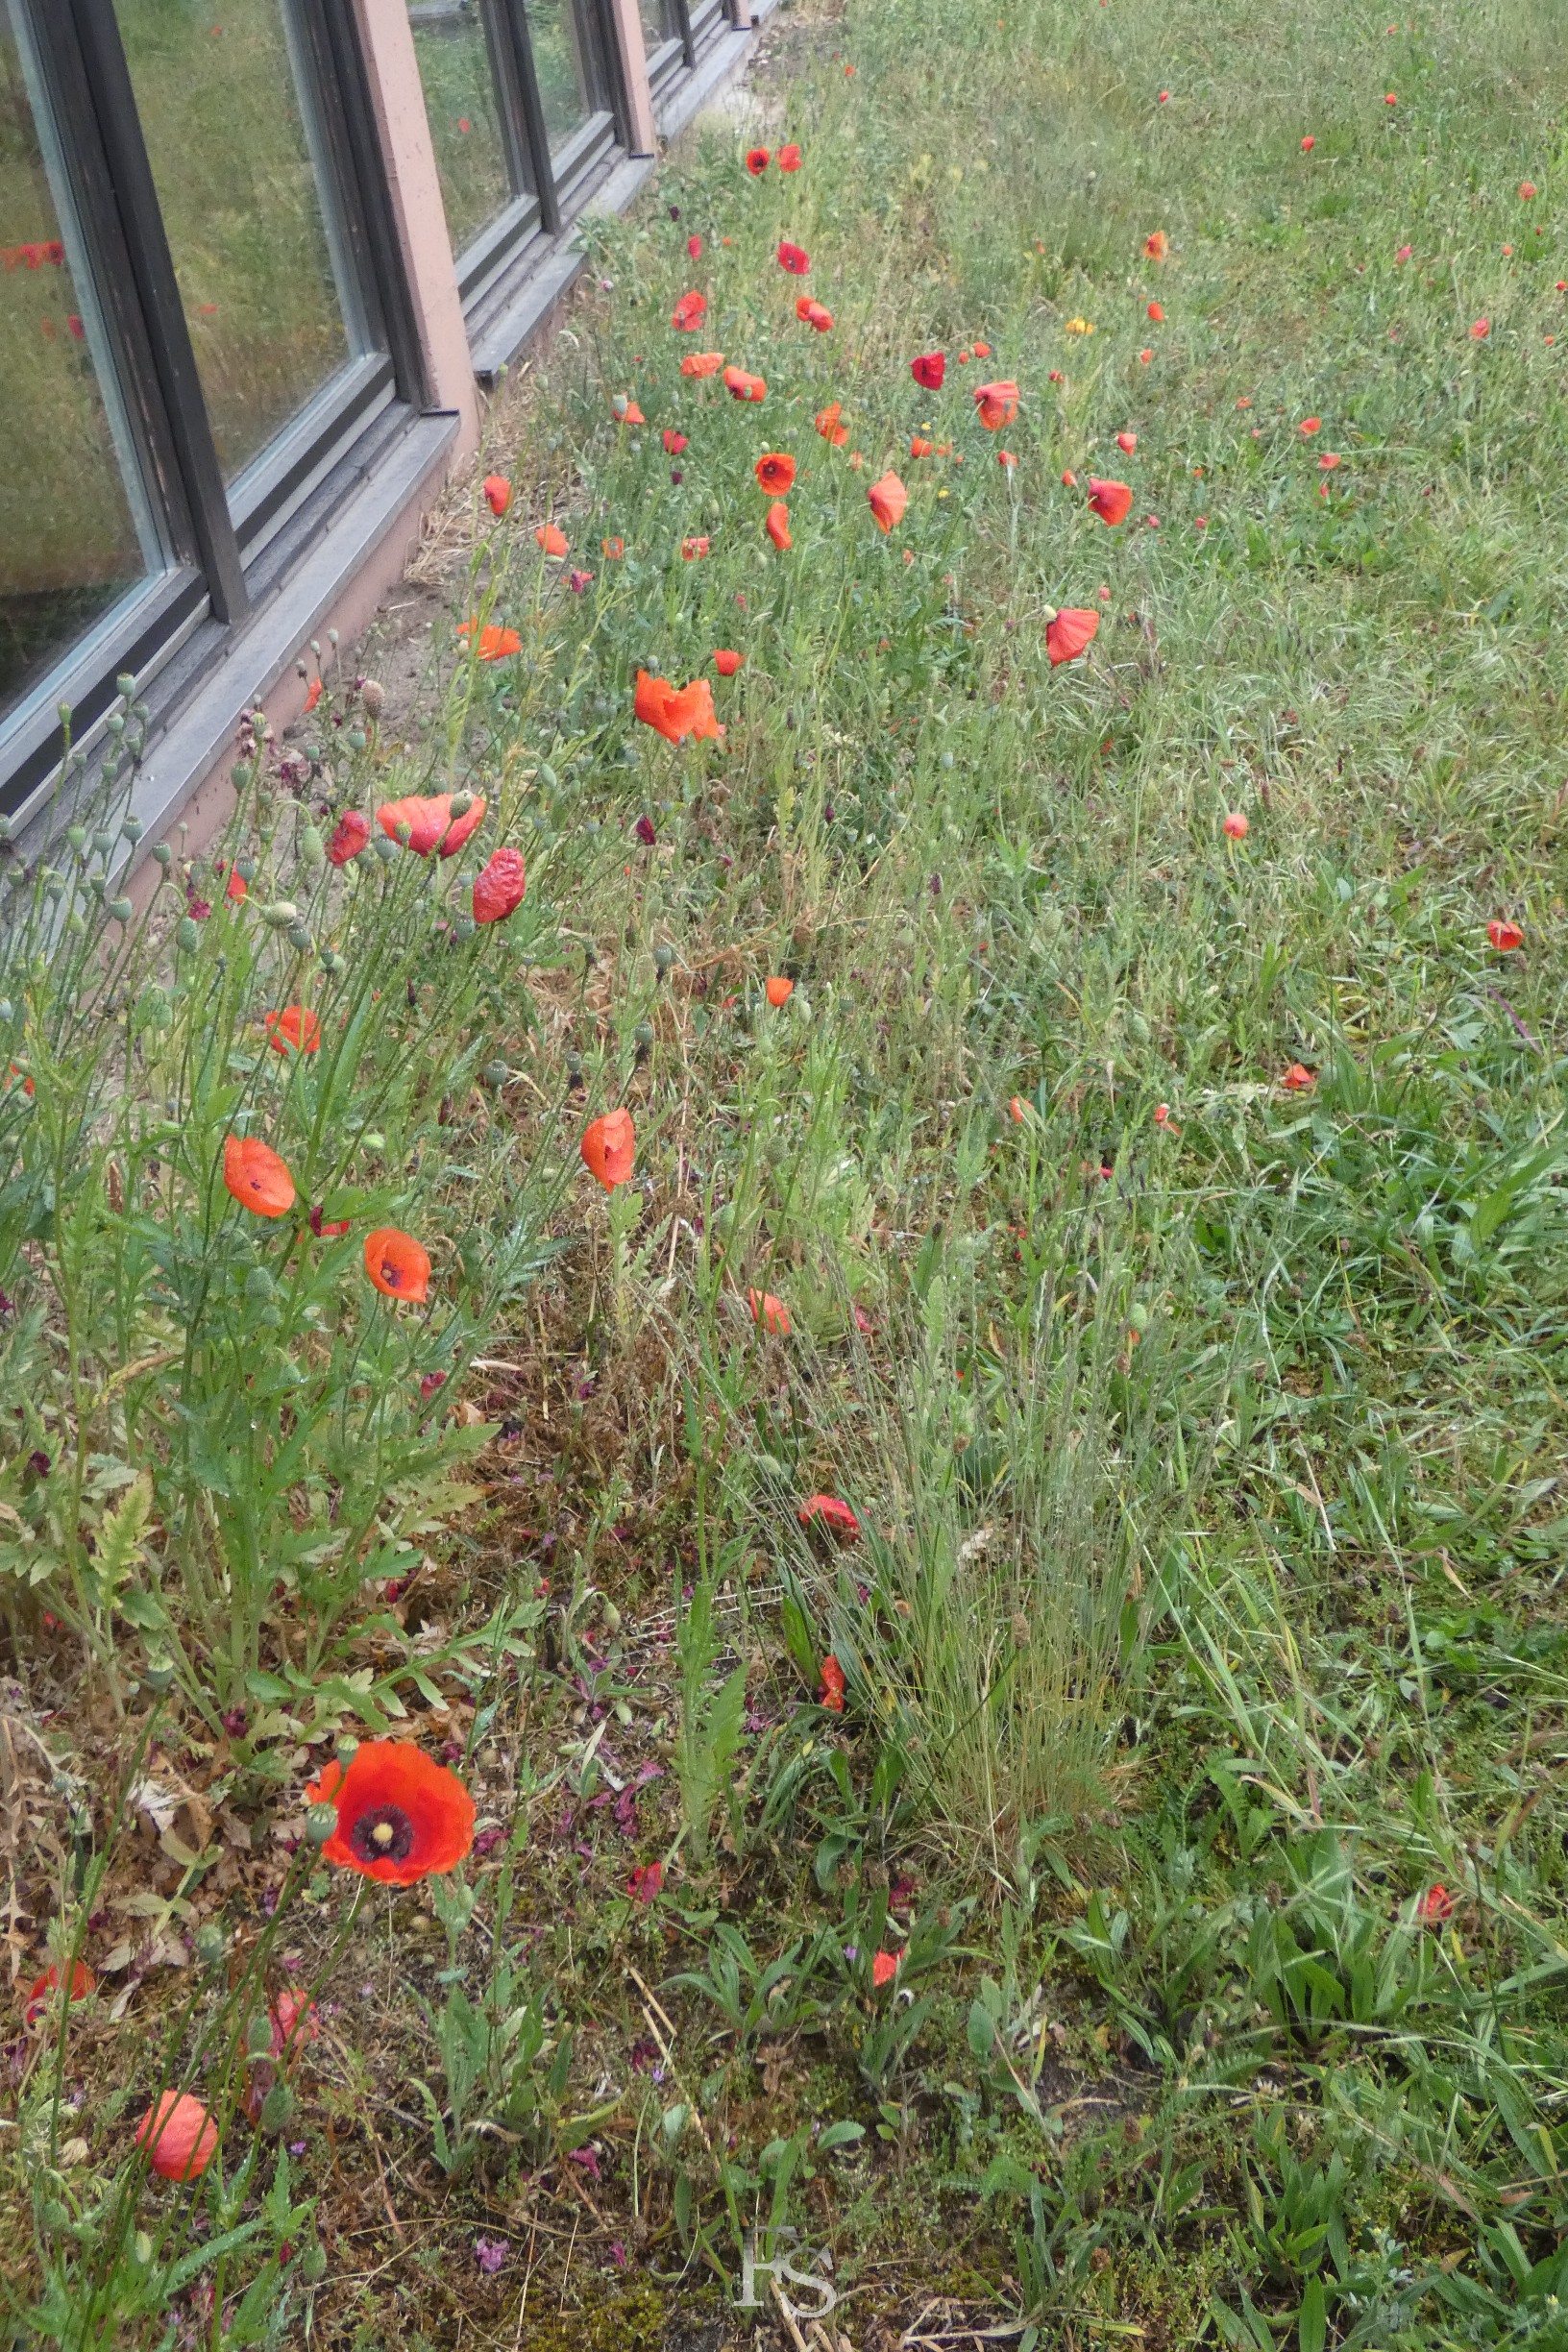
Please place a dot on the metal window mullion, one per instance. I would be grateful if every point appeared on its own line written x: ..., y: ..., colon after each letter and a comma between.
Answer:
x: 683, y: 28
x: 105, y: 75
x: 609, y: 66
x: 534, y: 117
x: 366, y: 212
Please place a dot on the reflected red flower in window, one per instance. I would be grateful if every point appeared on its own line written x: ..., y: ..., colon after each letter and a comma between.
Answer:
x: 400, y: 1815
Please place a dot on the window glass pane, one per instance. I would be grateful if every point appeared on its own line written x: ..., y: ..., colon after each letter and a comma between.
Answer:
x: 70, y: 544
x: 560, y: 67
x: 220, y: 97
x: 453, y: 51
x: 658, y: 24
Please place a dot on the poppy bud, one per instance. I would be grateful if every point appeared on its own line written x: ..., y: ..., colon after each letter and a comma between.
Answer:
x: 320, y: 1824
x: 277, y: 2108
x: 258, y: 2038
x: 187, y: 933
x: 279, y: 914
x: 210, y: 1944
x: 313, y: 2265
x: 461, y: 803
x: 312, y: 848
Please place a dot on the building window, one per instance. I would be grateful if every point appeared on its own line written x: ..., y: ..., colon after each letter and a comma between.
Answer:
x: 78, y: 533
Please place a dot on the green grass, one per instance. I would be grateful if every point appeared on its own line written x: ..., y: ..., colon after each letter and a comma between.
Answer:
x: 1206, y: 1611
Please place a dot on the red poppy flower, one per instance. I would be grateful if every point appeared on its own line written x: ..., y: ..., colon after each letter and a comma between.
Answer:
x: 814, y: 315
x: 728, y: 663
x: 920, y: 448
x: 292, y: 2017
x: 496, y: 644
x: 179, y: 2135
x: 1436, y: 1908
x: 996, y: 404
x: 832, y: 1686
x: 828, y: 1511
x: 702, y: 364
x: 38, y: 2003
x: 239, y: 890
x: 313, y: 694
x: 788, y: 158
x: 1327, y: 462
x: 779, y: 992
x: 499, y: 492
x: 794, y: 258
x: 256, y: 1176
x: 770, y: 1312
x: 498, y: 892
x: 929, y: 370
x: 1109, y: 499
x: 775, y: 473
x: 777, y: 527
x: 1070, y: 479
x: 1310, y: 425
x: 1163, y: 1118
x: 350, y: 835
x: 1005, y: 457
x: 1127, y: 442
x: 1405, y: 252
x: 626, y: 410
x: 674, y: 441
x: 1236, y: 826
x: 884, y: 1969
x: 609, y: 1148
x: 400, y: 1815
x: 888, y: 500
x: 1016, y: 1110
x: 397, y: 1264
x: 552, y: 539
x: 1297, y: 1079
x: 745, y: 387
x: 982, y: 350
x: 293, y: 1030
x: 1505, y: 937
x: 614, y: 550
x: 828, y: 426
x: 692, y: 551
x: 426, y: 823
x: 1157, y: 312
x: 1069, y: 632
x: 756, y: 161
x: 689, y: 312
x: 1164, y: 97
x: 1307, y: 144
x: 1527, y: 189
x: 675, y: 712
x: 1482, y: 329
x: 1157, y: 245
x: 325, y: 1228
x: 1390, y: 99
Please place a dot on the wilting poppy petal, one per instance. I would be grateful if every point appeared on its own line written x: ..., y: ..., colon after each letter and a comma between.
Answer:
x: 1310, y: 425
x: 42, y: 1988
x: 1126, y: 442
x: 239, y: 890
x: 777, y: 526
x: 794, y: 258
x: 702, y: 364
x: 1297, y: 1078
x: 1435, y: 1907
x: 828, y: 426
x: 293, y: 1030
x: 400, y: 1815
x: 1110, y: 500
x: 789, y: 159
x: 775, y: 473
x: 674, y: 441
x: 832, y: 1696
x: 742, y: 386
x: 727, y: 663
x: 689, y: 312
x: 815, y: 316
x: 178, y: 2136
x: 498, y: 892
x: 326, y: 1228
x: 313, y: 694
x: 646, y: 1882
x: 756, y: 161
x: 1236, y: 826
x: 692, y: 551
x: 624, y: 410
x: 614, y: 550
x: 884, y: 1969
x: 259, y: 1180
x: 497, y: 490
x: 828, y: 1511
x: 768, y: 1311
x: 552, y: 539
x: 929, y: 370
x: 1505, y: 937
x: 397, y: 1264
x: 609, y: 1148
x: 888, y: 500
x: 350, y: 835
x: 1069, y: 632
x: 426, y: 823
x: 778, y: 991
x: 996, y: 404
x: 694, y: 246
x: 1156, y: 245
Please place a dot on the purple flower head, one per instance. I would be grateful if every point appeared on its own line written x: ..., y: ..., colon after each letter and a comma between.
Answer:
x: 490, y: 2253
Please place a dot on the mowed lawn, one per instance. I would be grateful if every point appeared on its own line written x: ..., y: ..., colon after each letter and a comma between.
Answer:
x: 1116, y: 1887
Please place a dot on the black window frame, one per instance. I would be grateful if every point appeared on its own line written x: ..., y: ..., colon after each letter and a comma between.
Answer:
x: 213, y: 531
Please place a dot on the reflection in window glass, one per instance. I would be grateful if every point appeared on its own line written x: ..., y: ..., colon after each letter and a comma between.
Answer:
x: 219, y: 99
x: 453, y: 52
x: 560, y: 68
x: 69, y: 547
x: 658, y: 24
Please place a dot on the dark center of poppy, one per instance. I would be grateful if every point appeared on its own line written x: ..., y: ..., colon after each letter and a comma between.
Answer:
x: 384, y: 1834
x: 391, y: 1275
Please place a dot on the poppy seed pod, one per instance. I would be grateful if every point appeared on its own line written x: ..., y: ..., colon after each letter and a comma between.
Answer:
x: 320, y: 1823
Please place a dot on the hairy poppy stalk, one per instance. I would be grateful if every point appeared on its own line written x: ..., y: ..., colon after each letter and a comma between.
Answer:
x: 400, y: 1815
x: 609, y: 1148
x: 398, y: 1264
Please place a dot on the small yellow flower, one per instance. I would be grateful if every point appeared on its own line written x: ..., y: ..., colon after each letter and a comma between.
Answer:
x: 1079, y: 326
